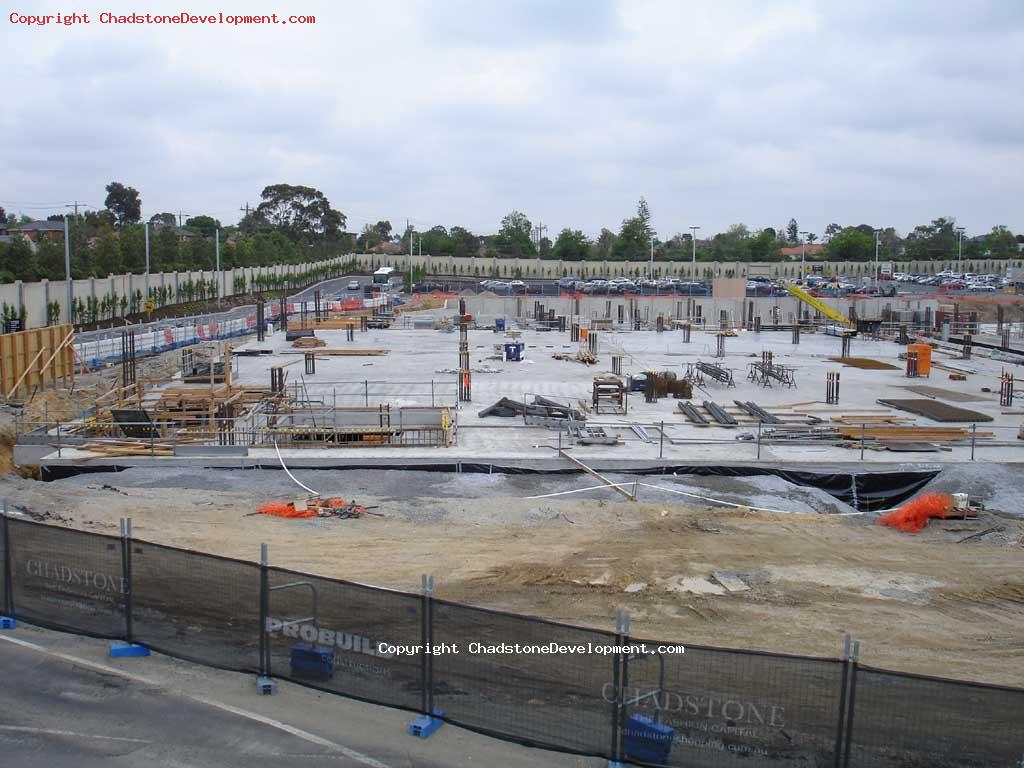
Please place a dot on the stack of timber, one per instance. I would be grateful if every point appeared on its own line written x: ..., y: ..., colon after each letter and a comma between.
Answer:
x: 580, y: 357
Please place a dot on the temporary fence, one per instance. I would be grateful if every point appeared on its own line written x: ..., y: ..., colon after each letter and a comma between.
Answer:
x: 96, y: 348
x: 518, y: 678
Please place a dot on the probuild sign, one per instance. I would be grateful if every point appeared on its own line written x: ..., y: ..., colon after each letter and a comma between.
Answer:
x: 709, y: 721
x: 348, y: 642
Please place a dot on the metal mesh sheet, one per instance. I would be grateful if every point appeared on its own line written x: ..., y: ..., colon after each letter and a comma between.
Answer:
x: 196, y: 606
x: 351, y: 622
x: 737, y: 708
x: 67, y: 579
x: 906, y: 720
x: 563, y: 700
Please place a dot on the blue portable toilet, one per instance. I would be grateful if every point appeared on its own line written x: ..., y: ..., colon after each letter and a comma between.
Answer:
x: 514, y: 351
x: 499, y: 324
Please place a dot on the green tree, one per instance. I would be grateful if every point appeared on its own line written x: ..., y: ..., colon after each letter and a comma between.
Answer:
x: 164, y: 219
x: 513, y: 237
x: 1000, y: 243
x: 793, y: 231
x: 123, y: 203
x: 571, y: 245
x: 850, y: 244
x: 303, y: 214
x: 206, y: 226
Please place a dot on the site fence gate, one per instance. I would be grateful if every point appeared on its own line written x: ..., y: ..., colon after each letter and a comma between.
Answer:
x: 579, y: 690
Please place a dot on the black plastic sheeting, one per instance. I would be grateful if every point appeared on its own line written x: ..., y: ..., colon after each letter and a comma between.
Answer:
x: 864, y: 491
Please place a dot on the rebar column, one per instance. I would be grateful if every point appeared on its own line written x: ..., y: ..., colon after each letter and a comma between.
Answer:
x: 720, y: 345
x: 845, y: 346
x: 912, y: 365
x: 284, y: 313
x: 687, y: 328
x: 1006, y: 390
x: 832, y: 387
x: 465, y: 375
x: 796, y: 333
x: 261, y: 322
x: 968, y: 344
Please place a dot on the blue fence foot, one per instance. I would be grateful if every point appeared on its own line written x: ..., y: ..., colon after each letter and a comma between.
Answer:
x: 425, y: 725
x: 124, y: 650
x: 265, y: 686
x: 6, y: 622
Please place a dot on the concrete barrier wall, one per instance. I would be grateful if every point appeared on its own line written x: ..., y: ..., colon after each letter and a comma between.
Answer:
x: 35, y: 297
x: 541, y: 268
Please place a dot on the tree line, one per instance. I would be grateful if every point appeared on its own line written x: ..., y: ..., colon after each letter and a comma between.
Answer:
x: 291, y: 225
x: 294, y: 224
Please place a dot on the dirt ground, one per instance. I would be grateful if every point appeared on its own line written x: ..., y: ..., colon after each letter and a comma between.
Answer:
x: 929, y: 603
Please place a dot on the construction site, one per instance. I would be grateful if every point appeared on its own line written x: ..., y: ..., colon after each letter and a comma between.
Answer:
x: 717, y: 467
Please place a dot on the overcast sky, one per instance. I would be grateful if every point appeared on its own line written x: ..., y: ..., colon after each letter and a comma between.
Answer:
x: 457, y: 111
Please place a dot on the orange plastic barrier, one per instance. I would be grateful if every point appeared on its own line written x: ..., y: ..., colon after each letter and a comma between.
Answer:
x: 913, y: 516
x: 924, y: 357
x: 280, y: 509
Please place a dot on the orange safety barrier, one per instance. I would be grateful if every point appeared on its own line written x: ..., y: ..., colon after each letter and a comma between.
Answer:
x: 913, y: 516
x: 281, y: 509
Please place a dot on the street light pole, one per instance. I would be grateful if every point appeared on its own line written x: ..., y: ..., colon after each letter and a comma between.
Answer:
x: 67, y: 269
x: 146, y: 229
x: 803, y: 256
x: 693, y: 262
x: 960, y: 252
x: 877, y: 232
x: 651, y: 269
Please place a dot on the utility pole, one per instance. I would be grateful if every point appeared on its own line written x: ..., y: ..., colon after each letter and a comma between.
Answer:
x: 651, y: 267
x: 67, y: 269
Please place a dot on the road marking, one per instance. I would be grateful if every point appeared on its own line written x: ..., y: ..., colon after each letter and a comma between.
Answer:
x: 312, y: 738
x: 52, y: 732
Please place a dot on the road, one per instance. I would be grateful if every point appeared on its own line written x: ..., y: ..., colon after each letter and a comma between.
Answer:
x: 64, y: 704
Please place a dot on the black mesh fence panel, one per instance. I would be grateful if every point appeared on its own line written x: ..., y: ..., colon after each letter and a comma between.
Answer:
x: 559, y: 699
x: 562, y: 688
x: 904, y: 720
x: 196, y: 606
x: 67, y: 579
x: 335, y: 643
x: 735, y: 708
x: 5, y: 608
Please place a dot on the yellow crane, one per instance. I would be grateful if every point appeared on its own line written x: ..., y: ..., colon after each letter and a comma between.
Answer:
x: 821, y: 306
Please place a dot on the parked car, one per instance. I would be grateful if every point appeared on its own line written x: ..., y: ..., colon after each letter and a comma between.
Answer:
x: 353, y: 285
x: 567, y: 283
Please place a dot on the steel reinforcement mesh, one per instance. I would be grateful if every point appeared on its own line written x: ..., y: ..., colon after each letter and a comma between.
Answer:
x: 347, y: 625
x: 559, y: 699
x: 737, y: 708
x: 66, y: 579
x: 904, y: 720
x: 196, y: 606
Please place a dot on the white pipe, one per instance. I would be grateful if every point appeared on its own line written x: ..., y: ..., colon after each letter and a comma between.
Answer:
x: 281, y: 459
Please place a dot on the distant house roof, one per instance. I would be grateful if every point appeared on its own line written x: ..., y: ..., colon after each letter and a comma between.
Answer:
x: 387, y: 248
x: 39, y: 226
x: 812, y: 249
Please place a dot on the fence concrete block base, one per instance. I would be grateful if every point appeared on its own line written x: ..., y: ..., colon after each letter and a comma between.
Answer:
x: 127, y: 650
x: 265, y: 686
x: 6, y: 622
x: 425, y: 725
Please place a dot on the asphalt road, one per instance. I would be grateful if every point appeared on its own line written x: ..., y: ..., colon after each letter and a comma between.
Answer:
x: 64, y: 704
